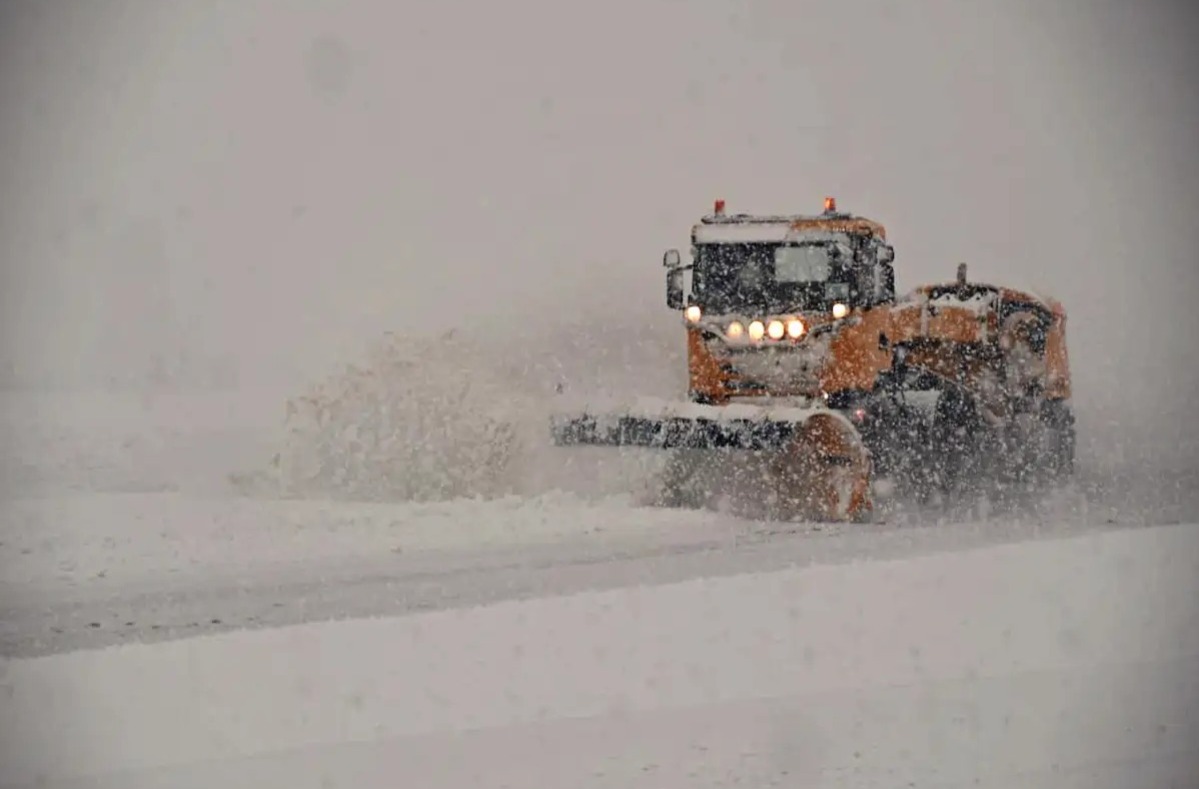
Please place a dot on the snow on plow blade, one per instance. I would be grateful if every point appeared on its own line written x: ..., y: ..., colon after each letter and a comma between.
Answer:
x: 671, y: 432
x: 682, y: 426
x: 812, y: 460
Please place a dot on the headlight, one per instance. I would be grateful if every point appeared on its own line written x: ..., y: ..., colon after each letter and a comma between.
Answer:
x: 735, y: 330
x: 775, y: 330
x: 756, y: 329
x: 694, y: 313
x: 840, y: 310
x: 795, y: 328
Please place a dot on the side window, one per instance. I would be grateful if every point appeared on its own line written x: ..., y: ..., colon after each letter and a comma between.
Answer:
x: 876, y: 284
x: 882, y: 283
x: 867, y: 285
x: 886, y: 283
x: 1038, y: 332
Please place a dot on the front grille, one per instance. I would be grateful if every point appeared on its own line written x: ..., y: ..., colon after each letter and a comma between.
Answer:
x: 783, y: 368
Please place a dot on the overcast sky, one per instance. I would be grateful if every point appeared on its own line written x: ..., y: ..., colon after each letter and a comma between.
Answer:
x: 272, y: 184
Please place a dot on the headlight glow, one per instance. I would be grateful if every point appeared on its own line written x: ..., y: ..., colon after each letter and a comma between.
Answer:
x: 795, y: 328
x: 694, y: 313
x: 735, y: 330
x: 756, y: 329
x: 775, y: 330
x: 840, y: 310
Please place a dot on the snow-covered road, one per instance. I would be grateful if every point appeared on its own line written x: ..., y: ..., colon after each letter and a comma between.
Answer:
x: 134, y: 568
x: 572, y: 639
x: 119, y: 525
x: 121, y: 596
x: 1057, y: 662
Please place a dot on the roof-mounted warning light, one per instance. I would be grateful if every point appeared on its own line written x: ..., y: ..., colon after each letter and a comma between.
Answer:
x: 830, y: 205
x: 719, y: 208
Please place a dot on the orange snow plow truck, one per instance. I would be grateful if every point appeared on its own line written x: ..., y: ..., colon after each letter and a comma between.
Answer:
x: 808, y: 372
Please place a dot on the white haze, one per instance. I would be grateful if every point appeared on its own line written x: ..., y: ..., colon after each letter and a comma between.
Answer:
x: 239, y: 194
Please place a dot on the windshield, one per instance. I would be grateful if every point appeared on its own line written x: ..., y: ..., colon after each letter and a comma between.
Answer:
x: 807, y: 263
x: 740, y: 277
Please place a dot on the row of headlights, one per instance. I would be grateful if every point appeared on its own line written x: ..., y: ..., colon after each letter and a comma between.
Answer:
x: 775, y: 328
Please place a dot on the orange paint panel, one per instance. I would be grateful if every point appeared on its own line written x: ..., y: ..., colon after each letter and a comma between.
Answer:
x: 855, y: 357
x: 825, y: 474
x: 704, y: 375
x: 854, y: 225
x: 1058, y: 385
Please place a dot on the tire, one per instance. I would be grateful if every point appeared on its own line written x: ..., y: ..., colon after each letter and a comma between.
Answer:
x: 1057, y: 419
x: 957, y: 444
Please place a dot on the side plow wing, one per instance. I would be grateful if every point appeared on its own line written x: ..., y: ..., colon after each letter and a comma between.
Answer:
x: 814, y: 459
x: 670, y: 432
x: 667, y: 425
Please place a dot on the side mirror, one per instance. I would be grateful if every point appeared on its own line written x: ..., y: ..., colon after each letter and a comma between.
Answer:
x: 886, y: 253
x: 672, y: 259
x: 674, y: 288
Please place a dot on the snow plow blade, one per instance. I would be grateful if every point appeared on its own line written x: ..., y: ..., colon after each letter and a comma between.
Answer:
x: 672, y: 432
x: 812, y: 461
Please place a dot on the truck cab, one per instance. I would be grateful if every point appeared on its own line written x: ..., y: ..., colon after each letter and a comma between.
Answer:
x: 752, y: 263
x: 767, y: 294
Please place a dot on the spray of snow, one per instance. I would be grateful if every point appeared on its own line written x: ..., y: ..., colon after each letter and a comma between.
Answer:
x: 437, y: 418
x: 421, y: 419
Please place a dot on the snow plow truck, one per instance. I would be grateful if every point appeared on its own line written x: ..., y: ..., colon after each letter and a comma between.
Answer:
x: 809, y: 374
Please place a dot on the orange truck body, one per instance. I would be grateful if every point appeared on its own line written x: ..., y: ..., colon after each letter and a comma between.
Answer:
x: 949, y: 337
